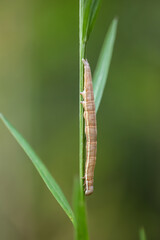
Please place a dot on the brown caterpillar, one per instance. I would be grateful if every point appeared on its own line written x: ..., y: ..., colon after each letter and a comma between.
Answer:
x: 90, y: 128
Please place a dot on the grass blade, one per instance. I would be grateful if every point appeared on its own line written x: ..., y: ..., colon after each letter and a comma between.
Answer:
x: 102, y: 68
x: 86, y: 18
x: 95, y: 9
x: 81, y: 231
x: 142, y: 235
x: 46, y: 176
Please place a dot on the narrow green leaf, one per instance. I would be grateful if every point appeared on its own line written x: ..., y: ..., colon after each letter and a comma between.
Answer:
x: 142, y: 235
x: 86, y: 18
x: 81, y: 231
x: 44, y: 173
x: 95, y: 9
x: 102, y: 68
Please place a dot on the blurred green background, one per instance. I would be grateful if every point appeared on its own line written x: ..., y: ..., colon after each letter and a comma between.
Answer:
x: 39, y: 95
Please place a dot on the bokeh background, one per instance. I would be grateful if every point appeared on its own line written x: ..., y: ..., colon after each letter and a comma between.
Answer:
x: 39, y: 95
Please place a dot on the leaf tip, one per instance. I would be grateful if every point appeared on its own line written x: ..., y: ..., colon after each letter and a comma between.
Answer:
x: 142, y: 233
x: 115, y: 21
x: 1, y: 115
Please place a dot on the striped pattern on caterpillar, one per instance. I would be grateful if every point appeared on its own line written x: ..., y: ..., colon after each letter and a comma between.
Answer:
x: 90, y: 128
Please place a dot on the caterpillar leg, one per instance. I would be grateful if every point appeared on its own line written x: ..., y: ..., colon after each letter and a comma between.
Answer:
x: 83, y: 103
x: 83, y: 94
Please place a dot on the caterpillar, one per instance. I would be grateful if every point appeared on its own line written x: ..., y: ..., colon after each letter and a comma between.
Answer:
x: 90, y: 128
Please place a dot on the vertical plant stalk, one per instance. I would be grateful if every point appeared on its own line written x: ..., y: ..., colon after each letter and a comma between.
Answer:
x: 81, y: 121
x: 81, y: 229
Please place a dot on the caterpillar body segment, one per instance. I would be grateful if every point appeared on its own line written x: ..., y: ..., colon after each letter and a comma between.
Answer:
x: 90, y: 128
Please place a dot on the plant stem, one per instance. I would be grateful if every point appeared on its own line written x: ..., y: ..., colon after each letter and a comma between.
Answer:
x: 81, y: 121
x: 81, y: 230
